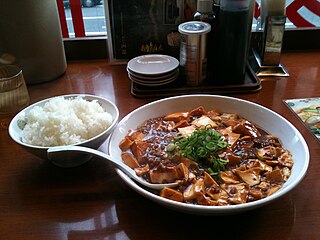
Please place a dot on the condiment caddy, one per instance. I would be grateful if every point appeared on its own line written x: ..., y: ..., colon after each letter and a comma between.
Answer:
x: 215, y: 54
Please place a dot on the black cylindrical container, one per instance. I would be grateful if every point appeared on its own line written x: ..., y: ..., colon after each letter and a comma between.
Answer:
x: 234, y: 31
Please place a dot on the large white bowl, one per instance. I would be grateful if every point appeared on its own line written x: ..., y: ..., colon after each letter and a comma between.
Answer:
x: 70, y: 160
x: 268, y: 120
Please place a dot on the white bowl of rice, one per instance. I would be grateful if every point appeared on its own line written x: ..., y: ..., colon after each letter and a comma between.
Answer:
x: 75, y: 119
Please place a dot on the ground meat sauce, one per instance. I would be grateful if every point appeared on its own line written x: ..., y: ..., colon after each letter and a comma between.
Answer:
x: 255, y: 164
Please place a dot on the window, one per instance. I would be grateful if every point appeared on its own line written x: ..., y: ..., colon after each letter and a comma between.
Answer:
x: 88, y: 16
x: 300, y: 13
x: 82, y: 18
x: 85, y: 21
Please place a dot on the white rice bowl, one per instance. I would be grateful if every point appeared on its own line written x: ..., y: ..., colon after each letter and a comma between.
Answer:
x: 62, y: 121
x: 86, y: 120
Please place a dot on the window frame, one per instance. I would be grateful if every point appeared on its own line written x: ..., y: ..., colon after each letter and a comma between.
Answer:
x: 81, y: 48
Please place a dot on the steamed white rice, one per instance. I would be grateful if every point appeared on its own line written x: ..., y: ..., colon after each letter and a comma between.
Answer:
x: 64, y: 121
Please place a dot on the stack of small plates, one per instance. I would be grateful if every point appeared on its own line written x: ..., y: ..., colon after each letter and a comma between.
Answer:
x: 153, y: 70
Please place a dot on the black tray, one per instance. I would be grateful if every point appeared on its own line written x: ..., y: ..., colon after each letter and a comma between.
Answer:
x: 251, y: 84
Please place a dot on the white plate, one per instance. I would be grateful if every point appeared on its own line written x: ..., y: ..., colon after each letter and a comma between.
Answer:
x: 153, y: 77
x: 153, y: 64
x: 154, y: 81
x: 265, y: 118
x: 153, y: 84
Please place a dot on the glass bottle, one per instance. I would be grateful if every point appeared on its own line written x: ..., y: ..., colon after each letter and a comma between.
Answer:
x: 206, y: 14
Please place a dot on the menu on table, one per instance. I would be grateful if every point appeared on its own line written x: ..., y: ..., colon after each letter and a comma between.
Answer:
x: 308, y: 111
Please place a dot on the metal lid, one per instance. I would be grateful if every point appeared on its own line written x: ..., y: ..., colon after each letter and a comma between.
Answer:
x: 194, y: 27
x: 204, y: 6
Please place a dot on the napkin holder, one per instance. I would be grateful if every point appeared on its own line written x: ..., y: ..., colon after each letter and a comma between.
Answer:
x: 265, y: 58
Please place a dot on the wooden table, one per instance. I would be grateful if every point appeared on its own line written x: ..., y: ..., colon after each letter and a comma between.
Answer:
x: 41, y: 201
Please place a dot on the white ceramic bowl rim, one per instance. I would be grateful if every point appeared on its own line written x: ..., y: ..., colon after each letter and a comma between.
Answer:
x: 200, y: 209
x: 114, y: 121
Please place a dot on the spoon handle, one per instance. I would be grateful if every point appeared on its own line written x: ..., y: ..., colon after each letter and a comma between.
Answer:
x: 96, y: 153
x: 126, y: 169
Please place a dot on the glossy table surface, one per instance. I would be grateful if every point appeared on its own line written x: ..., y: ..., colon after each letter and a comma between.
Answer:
x: 41, y: 201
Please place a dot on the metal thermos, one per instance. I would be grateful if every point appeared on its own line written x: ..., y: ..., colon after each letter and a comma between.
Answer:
x: 31, y: 39
x: 193, y: 51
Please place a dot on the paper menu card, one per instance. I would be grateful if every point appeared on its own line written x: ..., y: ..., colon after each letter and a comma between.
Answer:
x: 308, y: 111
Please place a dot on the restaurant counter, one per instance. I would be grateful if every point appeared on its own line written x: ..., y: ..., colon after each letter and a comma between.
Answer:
x: 41, y: 201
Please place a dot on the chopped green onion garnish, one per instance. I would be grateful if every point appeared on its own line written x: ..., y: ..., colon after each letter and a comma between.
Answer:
x: 202, y: 146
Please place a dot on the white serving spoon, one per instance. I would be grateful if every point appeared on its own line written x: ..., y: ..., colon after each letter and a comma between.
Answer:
x: 59, y: 153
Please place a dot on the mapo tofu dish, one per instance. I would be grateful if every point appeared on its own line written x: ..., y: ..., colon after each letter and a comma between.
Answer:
x: 218, y: 159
